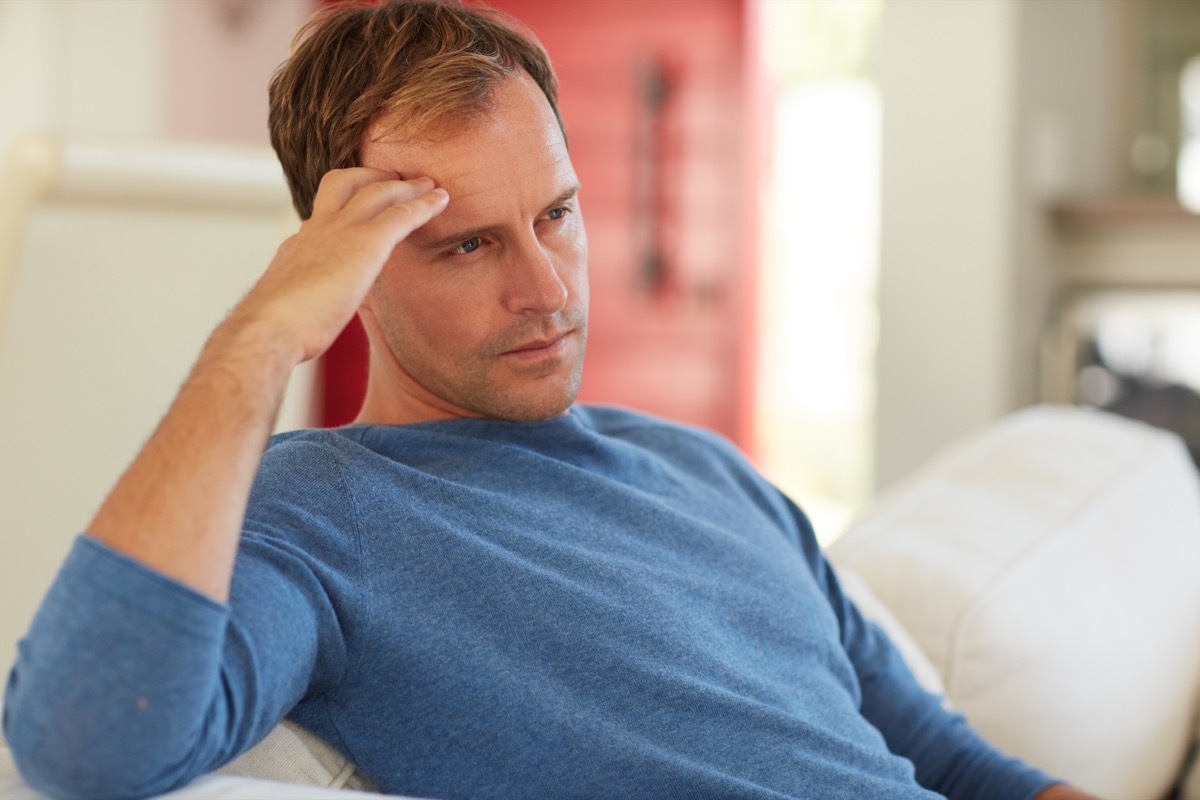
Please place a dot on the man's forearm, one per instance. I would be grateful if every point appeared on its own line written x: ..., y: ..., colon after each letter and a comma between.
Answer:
x: 178, y: 508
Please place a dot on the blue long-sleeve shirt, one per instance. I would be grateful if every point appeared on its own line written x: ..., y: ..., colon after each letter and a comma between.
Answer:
x: 599, y: 605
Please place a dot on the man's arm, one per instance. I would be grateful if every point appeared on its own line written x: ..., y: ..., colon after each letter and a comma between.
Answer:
x: 129, y: 684
x: 1060, y: 791
x: 178, y: 508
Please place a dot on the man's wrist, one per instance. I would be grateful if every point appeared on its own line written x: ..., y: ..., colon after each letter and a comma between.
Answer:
x: 266, y: 346
x: 1061, y: 791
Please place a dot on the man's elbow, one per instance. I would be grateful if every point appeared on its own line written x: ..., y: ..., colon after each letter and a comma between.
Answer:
x: 66, y: 765
x: 67, y: 778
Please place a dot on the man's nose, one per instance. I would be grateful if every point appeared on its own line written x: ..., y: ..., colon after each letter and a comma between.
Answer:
x: 534, y: 285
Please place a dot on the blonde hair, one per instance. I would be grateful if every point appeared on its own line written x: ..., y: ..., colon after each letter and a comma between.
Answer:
x: 418, y: 62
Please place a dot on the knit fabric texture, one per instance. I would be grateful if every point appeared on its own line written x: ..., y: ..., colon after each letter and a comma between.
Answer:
x: 602, y: 605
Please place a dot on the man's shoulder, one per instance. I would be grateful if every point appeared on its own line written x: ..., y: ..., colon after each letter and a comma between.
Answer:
x: 306, y: 466
x: 312, y: 451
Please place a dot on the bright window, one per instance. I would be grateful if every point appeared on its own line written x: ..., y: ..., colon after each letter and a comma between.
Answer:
x: 817, y: 321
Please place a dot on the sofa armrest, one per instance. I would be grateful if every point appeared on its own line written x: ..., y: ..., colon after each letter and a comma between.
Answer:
x: 293, y: 754
x: 1049, y: 567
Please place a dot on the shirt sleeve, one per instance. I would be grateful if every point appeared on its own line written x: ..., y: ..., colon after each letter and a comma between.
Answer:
x: 949, y: 756
x: 129, y: 684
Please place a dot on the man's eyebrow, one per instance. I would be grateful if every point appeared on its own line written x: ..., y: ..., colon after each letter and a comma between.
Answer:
x: 458, y: 237
x: 564, y: 197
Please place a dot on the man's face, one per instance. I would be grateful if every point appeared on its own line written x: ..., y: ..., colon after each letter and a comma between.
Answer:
x: 483, y: 311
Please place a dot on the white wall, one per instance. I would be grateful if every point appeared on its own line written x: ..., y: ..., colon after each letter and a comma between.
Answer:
x: 78, y: 67
x: 948, y: 75
x: 100, y: 319
x: 189, y: 69
x: 222, y: 55
x: 1074, y: 66
x: 991, y: 109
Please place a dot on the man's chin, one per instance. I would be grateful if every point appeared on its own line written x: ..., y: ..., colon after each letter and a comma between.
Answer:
x: 532, y: 412
x: 537, y: 406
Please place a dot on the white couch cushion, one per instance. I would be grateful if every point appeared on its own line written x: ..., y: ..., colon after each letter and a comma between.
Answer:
x: 1050, y: 569
x: 292, y: 754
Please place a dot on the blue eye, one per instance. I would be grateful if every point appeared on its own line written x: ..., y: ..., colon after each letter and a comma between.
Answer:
x: 469, y: 246
x: 557, y: 213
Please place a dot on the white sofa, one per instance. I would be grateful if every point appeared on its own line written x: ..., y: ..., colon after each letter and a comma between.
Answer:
x: 1049, y: 569
x: 1045, y: 572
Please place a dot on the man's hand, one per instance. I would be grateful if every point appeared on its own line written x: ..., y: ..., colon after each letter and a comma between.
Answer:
x: 179, y: 507
x: 320, y: 276
x: 1060, y: 791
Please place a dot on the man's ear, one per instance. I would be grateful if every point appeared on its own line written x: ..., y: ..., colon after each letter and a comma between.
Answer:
x: 370, y: 323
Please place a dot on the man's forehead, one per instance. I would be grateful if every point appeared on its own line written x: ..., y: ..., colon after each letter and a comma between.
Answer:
x: 482, y: 200
x: 514, y: 150
x: 474, y: 172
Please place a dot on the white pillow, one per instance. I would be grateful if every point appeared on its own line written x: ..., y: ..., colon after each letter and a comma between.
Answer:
x: 1050, y: 569
x: 291, y: 754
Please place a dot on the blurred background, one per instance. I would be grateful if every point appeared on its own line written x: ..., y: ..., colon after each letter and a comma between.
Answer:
x: 843, y: 233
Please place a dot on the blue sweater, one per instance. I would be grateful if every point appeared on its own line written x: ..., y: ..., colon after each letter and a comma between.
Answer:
x: 600, y: 605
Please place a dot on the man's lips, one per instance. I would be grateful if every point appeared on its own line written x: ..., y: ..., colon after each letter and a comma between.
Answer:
x: 538, y: 346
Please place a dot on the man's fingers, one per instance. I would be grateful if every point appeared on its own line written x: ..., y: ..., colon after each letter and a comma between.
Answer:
x: 339, y: 186
x: 373, y: 198
x: 404, y: 218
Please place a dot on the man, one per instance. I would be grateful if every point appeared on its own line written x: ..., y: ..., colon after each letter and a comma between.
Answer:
x: 480, y: 589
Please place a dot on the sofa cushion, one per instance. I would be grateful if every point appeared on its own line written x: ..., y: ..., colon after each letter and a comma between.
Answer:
x: 292, y: 754
x: 1050, y: 569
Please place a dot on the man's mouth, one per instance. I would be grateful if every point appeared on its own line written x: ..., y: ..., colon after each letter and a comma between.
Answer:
x: 548, y: 346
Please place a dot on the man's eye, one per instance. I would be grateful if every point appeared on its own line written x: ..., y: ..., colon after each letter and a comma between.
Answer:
x: 469, y: 246
x: 557, y: 213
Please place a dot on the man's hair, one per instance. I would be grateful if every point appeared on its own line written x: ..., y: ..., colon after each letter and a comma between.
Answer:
x: 418, y: 62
